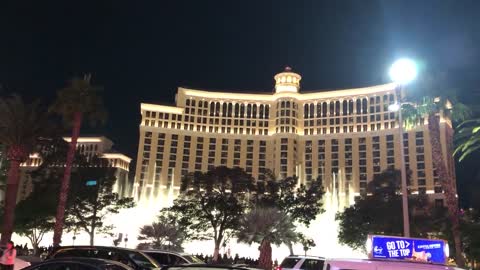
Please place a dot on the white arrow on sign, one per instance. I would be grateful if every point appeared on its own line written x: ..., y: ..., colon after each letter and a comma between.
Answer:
x: 407, y: 244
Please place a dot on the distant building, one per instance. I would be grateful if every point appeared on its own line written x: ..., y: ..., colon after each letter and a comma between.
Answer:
x: 88, y: 146
x: 343, y: 137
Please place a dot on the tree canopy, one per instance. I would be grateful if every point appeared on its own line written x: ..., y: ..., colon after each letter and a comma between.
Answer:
x: 80, y: 96
x: 302, y: 202
x: 92, y: 199
x: 165, y: 234
x: 210, y: 204
x: 266, y: 226
x: 381, y: 213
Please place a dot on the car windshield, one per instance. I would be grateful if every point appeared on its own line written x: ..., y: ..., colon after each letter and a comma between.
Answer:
x: 142, y: 260
x: 192, y: 259
x: 289, y: 262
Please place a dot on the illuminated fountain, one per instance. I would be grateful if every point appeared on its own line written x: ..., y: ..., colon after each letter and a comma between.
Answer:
x: 323, y: 230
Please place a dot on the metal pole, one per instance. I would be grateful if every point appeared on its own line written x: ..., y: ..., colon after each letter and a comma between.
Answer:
x: 406, y: 219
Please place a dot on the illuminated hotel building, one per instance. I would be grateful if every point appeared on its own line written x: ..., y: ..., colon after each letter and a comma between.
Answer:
x: 343, y: 137
x: 89, y: 147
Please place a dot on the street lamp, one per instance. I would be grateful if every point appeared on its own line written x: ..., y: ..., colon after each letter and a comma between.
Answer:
x: 402, y: 72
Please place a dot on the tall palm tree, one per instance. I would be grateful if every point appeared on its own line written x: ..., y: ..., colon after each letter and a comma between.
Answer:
x: 266, y: 226
x: 21, y: 125
x: 79, y: 100
x: 468, y: 138
x: 433, y: 102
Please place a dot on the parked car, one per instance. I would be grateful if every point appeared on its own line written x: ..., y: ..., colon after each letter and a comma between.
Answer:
x: 79, y: 264
x: 20, y: 264
x: 296, y: 262
x: 133, y: 258
x: 375, y: 264
x: 205, y: 267
x: 172, y: 258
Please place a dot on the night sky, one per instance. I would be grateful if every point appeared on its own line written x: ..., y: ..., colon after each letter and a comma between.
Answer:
x: 141, y: 51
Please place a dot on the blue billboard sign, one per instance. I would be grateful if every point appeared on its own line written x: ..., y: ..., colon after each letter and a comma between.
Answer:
x: 424, y: 250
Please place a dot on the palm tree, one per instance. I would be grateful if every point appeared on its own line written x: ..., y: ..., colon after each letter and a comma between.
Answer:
x: 79, y: 100
x: 468, y: 138
x: 431, y: 101
x: 163, y: 234
x: 266, y: 226
x: 21, y: 125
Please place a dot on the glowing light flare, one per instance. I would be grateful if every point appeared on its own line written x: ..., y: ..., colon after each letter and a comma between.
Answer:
x: 403, y: 71
x: 394, y: 107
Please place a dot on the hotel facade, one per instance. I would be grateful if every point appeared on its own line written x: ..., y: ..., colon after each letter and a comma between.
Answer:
x: 342, y: 137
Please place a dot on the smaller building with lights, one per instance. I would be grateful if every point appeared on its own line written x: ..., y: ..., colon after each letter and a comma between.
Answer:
x: 88, y: 146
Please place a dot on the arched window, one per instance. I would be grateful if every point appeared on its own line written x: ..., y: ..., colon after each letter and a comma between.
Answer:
x: 267, y: 111
x: 229, y: 110
x: 224, y: 109
x: 312, y: 110
x: 337, y: 108
x: 193, y: 102
x: 364, y: 105
x: 212, y: 108
x: 350, y: 107
x: 359, y: 106
x: 345, y: 108
x: 237, y: 109
x: 283, y: 104
x: 249, y: 110
x: 261, y: 111
x: 287, y: 104
x: 242, y: 110
x: 254, y: 111
x: 305, y: 111
x: 332, y: 108
x: 324, y: 109
x: 319, y: 110
x: 217, y: 108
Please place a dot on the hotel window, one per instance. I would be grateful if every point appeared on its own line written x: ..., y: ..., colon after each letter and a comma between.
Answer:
x: 420, y: 161
x: 348, y: 159
x: 308, y: 161
x: 335, y: 161
x: 362, y: 162
x: 211, y: 153
x: 390, y: 151
x: 321, y: 160
x: 236, y: 152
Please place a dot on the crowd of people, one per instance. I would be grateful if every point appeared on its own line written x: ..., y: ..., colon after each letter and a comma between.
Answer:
x: 226, y: 259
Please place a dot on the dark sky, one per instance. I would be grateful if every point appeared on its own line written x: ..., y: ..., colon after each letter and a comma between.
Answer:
x: 141, y: 51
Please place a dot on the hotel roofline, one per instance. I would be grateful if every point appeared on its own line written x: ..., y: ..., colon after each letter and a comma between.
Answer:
x: 332, y: 94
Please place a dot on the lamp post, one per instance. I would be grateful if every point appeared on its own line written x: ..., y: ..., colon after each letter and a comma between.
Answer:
x: 402, y: 72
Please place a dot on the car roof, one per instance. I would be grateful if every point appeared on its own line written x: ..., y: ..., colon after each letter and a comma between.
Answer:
x: 228, y: 266
x: 164, y: 251
x: 94, y: 247
x: 305, y: 257
x: 87, y: 260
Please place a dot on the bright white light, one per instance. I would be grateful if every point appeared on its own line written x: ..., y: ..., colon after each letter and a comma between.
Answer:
x: 368, y: 245
x: 394, y: 107
x: 403, y: 71
x: 446, y: 250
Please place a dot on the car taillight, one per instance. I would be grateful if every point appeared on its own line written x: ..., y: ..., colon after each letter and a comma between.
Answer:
x: 278, y: 268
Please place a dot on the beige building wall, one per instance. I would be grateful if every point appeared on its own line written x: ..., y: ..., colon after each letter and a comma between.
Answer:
x: 343, y: 137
